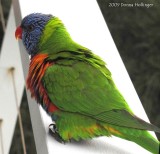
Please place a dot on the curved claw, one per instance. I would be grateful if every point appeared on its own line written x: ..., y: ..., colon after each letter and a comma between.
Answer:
x: 53, y: 128
x: 53, y: 131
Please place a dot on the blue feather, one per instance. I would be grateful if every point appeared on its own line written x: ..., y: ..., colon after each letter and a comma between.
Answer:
x: 33, y: 25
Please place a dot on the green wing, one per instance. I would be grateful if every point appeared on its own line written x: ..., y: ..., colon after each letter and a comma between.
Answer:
x: 86, y: 87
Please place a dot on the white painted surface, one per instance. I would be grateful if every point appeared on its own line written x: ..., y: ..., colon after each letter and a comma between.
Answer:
x: 9, y: 57
x: 1, y: 136
x: 8, y: 111
x: 86, y: 25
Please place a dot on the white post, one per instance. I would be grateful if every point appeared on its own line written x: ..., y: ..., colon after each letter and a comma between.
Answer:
x: 10, y: 92
x: 1, y: 138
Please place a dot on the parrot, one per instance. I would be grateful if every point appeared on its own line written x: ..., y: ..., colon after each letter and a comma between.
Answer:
x: 75, y: 87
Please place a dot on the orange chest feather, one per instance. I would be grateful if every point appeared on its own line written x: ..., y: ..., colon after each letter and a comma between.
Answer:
x: 38, y: 66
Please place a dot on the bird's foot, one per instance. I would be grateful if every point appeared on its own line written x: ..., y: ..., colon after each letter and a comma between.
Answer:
x: 53, y: 131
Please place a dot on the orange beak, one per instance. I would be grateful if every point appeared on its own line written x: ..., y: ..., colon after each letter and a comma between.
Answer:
x: 18, y: 33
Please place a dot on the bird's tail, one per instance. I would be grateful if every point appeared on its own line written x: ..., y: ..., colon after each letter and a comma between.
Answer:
x: 140, y: 137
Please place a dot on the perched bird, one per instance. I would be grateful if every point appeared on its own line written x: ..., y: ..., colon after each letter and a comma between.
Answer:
x: 75, y: 88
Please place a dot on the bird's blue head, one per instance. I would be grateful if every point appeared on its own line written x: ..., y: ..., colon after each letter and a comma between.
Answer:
x: 31, y: 29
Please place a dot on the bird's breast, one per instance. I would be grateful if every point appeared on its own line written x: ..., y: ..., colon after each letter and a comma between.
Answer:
x: 38, y: 66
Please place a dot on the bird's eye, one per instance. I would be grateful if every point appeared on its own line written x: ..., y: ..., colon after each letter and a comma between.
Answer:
x: 30, y: 27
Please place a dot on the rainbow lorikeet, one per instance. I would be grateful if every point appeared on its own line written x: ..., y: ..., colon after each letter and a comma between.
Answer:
x: 75, y: 88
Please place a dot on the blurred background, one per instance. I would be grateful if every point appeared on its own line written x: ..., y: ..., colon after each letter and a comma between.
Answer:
x: 136, y: 34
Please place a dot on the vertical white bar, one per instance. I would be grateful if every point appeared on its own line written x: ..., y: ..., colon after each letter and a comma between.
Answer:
x: 1, y: 138
x: 8, y: 111
x: 9, y: 58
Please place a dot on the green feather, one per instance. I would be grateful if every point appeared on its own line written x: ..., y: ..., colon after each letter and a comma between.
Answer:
x: 81, y: 86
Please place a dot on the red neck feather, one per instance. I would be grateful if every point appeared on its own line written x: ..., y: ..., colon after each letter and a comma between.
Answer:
x: 38, y: 66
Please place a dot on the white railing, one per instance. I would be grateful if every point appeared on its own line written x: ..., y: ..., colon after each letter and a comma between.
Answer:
x: 11, y: 85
